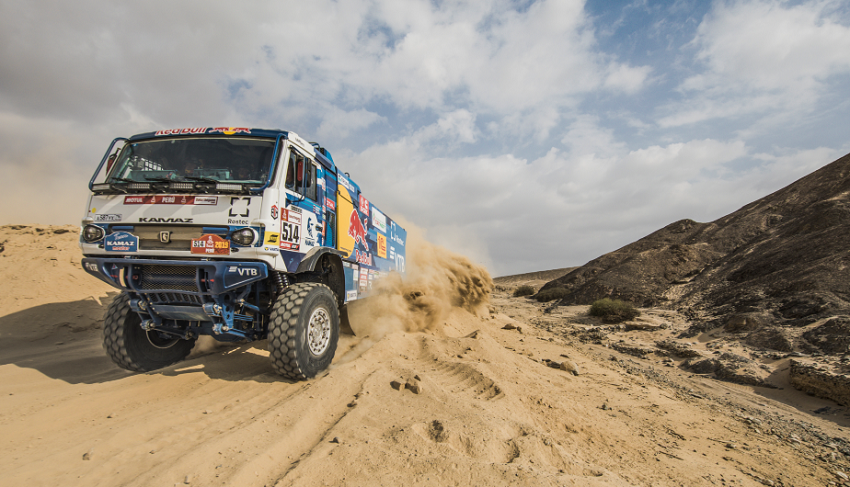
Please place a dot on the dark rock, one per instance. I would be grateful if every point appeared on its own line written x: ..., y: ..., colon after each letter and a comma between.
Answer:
x: 772, y: 338
x: 632, y: 350
x: 832, y: 336
x: 743, y: 322
x: 730, y: 368
x: 677, y: 349
x: 702, y: 366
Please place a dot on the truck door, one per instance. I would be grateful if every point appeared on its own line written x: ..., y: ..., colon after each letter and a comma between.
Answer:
x: 302, y: 221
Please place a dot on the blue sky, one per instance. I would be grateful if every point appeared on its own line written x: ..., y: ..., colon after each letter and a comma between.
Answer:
x: 527, y: 135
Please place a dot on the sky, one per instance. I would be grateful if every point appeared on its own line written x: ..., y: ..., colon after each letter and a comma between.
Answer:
x: 527, y: 135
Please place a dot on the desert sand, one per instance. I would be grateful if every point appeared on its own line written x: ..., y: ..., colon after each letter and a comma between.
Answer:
x: 453, y: 387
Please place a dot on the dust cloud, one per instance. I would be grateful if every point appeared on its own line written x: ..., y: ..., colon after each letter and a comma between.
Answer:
x: 436, y: 281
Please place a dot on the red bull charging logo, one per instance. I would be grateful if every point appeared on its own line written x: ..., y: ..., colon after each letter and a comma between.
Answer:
x: 357, y: 229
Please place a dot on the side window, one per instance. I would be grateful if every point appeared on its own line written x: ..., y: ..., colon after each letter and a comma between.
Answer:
x: 309, y: 180
x: 295, y: 161
x: 301, y: 176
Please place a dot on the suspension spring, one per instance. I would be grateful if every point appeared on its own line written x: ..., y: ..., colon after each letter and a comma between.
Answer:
x: 281, y: 281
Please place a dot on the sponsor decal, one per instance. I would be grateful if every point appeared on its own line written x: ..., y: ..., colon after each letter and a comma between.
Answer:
x: 357, y: 229
x: 329, y: 204
x: 210, y: 244
x: 230, y: 130
x: 243, y: 271
x: 165, y: 220
x: 309, y: 242
x: 290, y: 229
x: 170, y: 199
x: 346, y: 183
x: 364, y: 205
x: 382, y: 246
x: 272, y: 238
x: 274, y: 212
x: 364, y: 258
x: 364, y: 280
x: 121, y: 242
x: 321, y: 182
x: 91, y: 267
x: 379, y: 220
x: 399, y: 263
x: 310, y: 228
x: 239, y: 206
x: 193, y: 130
x: 345, y: 263
x: 395, y: 234
x: 392, y: 252
x: 351, y: 295
x: 107, y: 217
x: 317, y: 210
x: 205, y: 200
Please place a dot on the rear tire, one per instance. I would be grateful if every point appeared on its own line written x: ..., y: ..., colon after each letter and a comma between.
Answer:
x: 303, y: 330
x: 133, y: 348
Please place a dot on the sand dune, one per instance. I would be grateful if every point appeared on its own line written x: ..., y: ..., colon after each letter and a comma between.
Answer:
x: 473, y: 398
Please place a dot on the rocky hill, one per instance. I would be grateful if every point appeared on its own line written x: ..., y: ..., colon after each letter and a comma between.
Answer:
x: 781, y: 262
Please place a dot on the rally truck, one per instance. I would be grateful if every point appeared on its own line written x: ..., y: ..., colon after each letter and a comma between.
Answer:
x: 232, y: 232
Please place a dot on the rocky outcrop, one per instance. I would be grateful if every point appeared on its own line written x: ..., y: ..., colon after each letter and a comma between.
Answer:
x: 820, y: 382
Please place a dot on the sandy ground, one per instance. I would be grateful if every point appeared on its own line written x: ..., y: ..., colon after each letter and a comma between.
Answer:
x: 467, y: 402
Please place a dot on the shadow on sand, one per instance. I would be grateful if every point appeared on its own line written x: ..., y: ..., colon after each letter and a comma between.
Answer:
x: 63, y: 341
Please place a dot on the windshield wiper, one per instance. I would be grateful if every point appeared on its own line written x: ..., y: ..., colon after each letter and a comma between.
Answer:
x: 123, y: 180
x: 200, y: 179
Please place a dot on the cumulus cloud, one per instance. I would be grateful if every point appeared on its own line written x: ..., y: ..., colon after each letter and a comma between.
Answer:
x: 764, y: 57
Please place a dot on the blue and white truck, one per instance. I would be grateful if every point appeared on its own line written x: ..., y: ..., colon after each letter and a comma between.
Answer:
x: 237, y: 233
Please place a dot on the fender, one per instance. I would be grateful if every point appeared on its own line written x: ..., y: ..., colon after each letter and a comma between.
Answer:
x: 311, y: 258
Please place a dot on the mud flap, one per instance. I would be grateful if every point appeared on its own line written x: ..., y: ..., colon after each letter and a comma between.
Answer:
x: 344, y: 323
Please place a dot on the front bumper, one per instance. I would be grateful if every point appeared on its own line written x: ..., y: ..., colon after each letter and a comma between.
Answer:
x: 214, y: 294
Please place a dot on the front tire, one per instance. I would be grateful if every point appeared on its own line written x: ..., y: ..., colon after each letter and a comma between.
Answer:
x: 133, y: 348
x: 303, y: 330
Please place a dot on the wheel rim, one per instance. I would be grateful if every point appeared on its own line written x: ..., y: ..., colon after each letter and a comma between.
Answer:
x: 319, y: 331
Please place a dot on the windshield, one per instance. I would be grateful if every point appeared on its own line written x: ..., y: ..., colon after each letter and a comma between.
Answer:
x: 230, y: 159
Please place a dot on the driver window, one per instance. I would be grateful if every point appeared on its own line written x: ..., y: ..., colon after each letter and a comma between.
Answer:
x: 301, y: 176
x: 309, y: 180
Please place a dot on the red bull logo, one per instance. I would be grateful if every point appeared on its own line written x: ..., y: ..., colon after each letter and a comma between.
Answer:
x: 230, y: 130
x: 192, y: 130
x: 357, y: 229
x: 364, y: 258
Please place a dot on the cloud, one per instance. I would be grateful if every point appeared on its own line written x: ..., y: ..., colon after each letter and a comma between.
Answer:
x: 339, y: 124
x: 764, y: 57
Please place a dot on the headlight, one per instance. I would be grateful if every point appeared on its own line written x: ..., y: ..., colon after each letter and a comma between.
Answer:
x: 92, y: 233
x: 244, y: 236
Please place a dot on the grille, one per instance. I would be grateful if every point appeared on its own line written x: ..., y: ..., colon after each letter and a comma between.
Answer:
x: 180, y: 236
x: 175, y: 298
x: 173, y: 277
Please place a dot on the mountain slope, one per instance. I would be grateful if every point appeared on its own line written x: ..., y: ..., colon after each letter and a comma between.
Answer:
x: 785, y: 254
